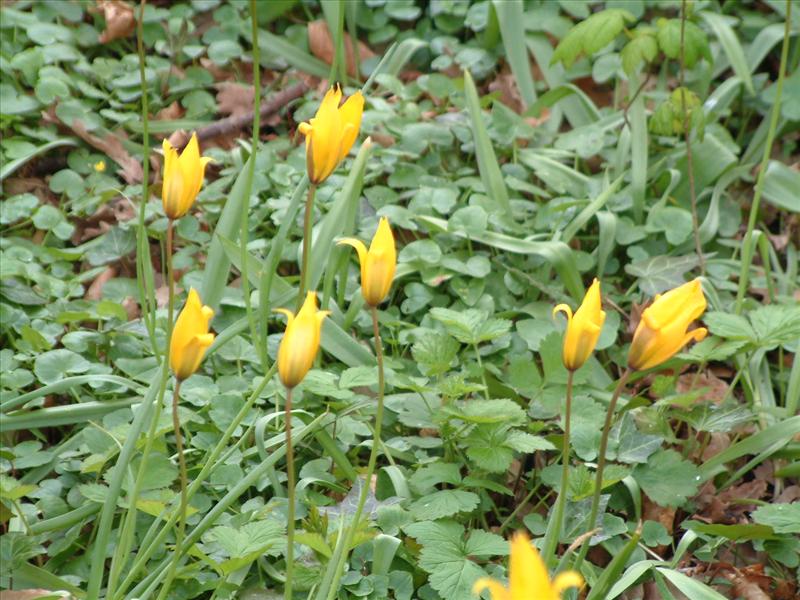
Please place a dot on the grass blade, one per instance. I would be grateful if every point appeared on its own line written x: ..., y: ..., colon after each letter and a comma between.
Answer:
x: 488, y: 166
x: 511, y: 19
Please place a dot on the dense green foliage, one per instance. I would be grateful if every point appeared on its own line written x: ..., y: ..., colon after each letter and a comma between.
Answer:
x: 519, y: 149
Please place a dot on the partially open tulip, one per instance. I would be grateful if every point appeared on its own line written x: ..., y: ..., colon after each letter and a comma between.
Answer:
x: 183, y: 176
x: 527, y: 576
x: 378, y: 264
x: 190, y: 338
x: 662, y: 331
x: 331, y: 133
x: 583, y: 328
x: 300, y: 342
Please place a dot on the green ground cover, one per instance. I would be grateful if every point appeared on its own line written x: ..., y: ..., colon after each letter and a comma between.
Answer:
x: 519, y: 150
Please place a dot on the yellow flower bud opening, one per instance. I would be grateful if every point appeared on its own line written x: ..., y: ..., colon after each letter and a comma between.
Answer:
x: 662, y: 330
x: 183, y: 177
x: 378, y: 264
x: 331, y: 133
x: 527, y: 576
x: 100, y: 166
x: 190, y: 337
x: 583, y: 328
x: 300, y: 342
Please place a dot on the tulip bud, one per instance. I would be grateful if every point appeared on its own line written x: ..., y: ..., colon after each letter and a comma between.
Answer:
x: 331, y: 133
x: 183, y: 176
x: 583, y: 328
x: 662, y: 330
x: 300, y: 342
x: 190, y: 337
x: 378, y: 264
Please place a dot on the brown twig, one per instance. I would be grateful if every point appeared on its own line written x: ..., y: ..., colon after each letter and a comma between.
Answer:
x: 269, y: 106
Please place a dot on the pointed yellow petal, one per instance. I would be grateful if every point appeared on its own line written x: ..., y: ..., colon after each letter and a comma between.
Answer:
x: 565, y: 580
x: 358, y: 245
x: 564, y: 308
x: 496, y: 589
x: 527, y: 574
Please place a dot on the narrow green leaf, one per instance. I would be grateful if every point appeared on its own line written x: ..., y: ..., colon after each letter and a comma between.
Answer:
x: 730, y: 44
x: 511, y: 19
x: 488, y: 166
x: 218, y: 264
x: 691, y: 587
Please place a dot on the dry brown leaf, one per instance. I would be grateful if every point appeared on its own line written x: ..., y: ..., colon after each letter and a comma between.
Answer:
x: 506, y: 84
x: 745, y: 588
x: 95, y: 290
x: 120, y: 20
x: 171, y: 112
x: 320, y: 43
x: 111, y: 146
x: 716, y: 388
x: 234, y: 99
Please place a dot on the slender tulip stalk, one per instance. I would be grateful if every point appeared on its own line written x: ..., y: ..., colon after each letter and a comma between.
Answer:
x: 580, y: 339
x: 296, y: 353
x: 527, y: 576
x: 188, y: 344
x: 378, y: 265
x: 662, y: 332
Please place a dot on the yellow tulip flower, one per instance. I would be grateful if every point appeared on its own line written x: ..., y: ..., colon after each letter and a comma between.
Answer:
x: 331, y: 133
x: 378, y: 264
x: 527, y: 576
x: 662, y: 330
x: 300, y: 342
x: 183, y: 176
x: 583, y: 328
x: 190, y: 338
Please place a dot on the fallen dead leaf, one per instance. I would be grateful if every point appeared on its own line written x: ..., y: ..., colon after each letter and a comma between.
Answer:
x: 320, y: 43
x: 716, y: 388
x: 506, y: 84
x: 95, y: 290
x: 120, y: 20
x: 171, y: 112
x: 111, y: 146
x: 234, y: 99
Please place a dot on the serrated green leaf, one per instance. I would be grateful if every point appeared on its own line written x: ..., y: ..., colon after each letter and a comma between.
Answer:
x: 444, y: 503
x: 642, y: 48
x: 783, y: 518
x: 434, y: 352
x: 667, y: 478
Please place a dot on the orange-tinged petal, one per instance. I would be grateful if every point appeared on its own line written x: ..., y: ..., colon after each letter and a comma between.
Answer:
x: 190, y: 336
x: 662, y: 330
x: 300, y: 342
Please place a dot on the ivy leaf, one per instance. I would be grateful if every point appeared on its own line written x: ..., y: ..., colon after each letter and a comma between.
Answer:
x: 695, y: 41
x: 591, y: 35
x: 642, y: 48
x: 444, y: 503
x: 658, y: 274
x: 434, y: 352
x: 667, y: 478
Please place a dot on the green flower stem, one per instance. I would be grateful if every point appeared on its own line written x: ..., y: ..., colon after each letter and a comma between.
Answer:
x: 332, y: 578
x: 601, y: 462
x: 555, y: 524
x: 143, y: 265
x: 687, y: 136
x: 176, y: 424
x: 253, y: 475
x: 290, y: 484
x: 307, y: 222
x: 153, y: 539
x: 243, y: 230
x: 747, y: 246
